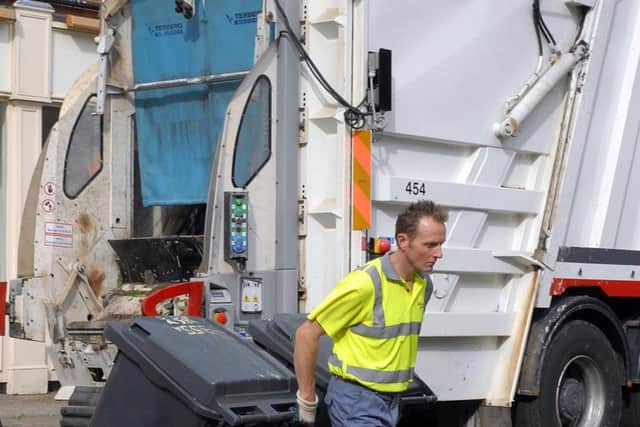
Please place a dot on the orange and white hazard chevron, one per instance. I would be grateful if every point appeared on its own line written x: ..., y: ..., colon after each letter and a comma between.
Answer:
x: 361, y: 179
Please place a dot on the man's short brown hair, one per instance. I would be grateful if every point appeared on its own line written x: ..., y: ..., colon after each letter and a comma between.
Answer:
x: 407, y: 221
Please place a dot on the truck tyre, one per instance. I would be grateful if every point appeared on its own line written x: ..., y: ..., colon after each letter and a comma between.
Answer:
x: 580, y: 382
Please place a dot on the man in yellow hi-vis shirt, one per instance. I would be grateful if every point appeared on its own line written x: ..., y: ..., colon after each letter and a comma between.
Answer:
x: 374, y: 316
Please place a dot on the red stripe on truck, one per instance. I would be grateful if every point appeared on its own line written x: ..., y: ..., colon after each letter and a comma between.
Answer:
x: 612, y: 288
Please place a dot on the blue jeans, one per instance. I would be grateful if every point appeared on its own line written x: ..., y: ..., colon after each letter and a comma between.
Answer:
x: 353, y: 405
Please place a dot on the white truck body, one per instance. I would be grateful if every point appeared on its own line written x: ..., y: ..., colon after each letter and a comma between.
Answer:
x: 523, y: 208
x: 574, y: 159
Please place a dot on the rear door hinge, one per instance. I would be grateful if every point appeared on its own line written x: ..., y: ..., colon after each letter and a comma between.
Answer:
x: 302, y: 214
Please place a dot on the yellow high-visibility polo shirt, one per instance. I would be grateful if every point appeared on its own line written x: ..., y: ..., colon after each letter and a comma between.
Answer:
x: 374, y: 320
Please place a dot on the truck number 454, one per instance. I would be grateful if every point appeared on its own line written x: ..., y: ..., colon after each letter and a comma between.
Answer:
x: 415, y: 188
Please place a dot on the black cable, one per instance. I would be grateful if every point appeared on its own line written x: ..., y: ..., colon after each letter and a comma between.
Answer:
x: 351, y: 110
x: 353, y: 116
x: 545, y: 31
x: 541, y: 27
x: 535, y: 25
x: 536, y: 20
x: 548, y: 36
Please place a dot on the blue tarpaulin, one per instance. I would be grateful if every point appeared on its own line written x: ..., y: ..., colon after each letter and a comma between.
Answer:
x: 177, y: 129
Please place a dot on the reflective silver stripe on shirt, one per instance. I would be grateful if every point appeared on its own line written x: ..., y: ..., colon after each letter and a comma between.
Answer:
x: 401, y: 329
x: 378, y: 329
x: 374, y: 375
x: 428, y: 289
x: 333, y: 360
x: 378, y: 310
x: 380, y: 377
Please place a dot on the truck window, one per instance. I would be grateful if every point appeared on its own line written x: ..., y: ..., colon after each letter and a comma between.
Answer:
x: 253, y: 142
x: 83, y: 161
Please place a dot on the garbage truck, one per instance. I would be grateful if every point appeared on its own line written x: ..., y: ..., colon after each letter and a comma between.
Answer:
x: 257, y: 151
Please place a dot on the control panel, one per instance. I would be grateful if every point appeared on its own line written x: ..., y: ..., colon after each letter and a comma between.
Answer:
x: 236, y: 223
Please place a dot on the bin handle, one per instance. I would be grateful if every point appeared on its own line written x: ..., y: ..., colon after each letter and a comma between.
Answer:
x: 266, y: 413
x: 193, y: 289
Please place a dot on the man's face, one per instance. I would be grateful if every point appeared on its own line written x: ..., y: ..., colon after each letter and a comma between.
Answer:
x: 425, y: 248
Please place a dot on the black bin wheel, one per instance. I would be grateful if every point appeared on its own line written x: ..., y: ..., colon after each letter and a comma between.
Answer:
x: 81, y: 407
x: 581, y: 382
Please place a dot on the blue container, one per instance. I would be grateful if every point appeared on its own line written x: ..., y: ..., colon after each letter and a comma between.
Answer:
x: 177, y: 129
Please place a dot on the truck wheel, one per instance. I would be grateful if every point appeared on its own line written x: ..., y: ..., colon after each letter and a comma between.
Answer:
x: 580, y: 383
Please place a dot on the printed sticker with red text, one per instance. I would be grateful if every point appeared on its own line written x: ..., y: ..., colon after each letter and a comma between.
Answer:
x: 58, y: 234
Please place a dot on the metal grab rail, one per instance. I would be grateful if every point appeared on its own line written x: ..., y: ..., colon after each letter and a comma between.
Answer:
x: 193, y: 289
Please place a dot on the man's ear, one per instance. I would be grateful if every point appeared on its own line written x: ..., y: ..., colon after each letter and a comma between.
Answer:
x: 403, y: 241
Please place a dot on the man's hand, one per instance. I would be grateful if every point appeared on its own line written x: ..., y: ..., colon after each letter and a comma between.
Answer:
x: 307, y: 409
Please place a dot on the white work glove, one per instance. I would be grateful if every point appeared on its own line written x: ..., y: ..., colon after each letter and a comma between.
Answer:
x: 306, y: 409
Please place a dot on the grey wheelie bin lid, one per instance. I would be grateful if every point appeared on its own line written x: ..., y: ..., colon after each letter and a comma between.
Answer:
x: 211, y: 372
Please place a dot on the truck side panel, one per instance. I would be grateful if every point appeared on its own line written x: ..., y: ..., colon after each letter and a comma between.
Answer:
x: 454, y: 67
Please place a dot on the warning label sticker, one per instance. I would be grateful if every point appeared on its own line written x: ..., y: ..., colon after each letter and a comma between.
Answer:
x: 251, y: 295
x: 57, y: 234
x: 58, y: 228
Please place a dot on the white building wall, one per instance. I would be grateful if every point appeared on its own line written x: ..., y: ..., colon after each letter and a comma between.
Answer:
x: 72, y: 52
x: 3, y: 192
x: 5, y: 56
x: 3, y: 203
x: 39, y: 61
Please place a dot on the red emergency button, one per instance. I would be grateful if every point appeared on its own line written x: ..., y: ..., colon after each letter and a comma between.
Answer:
x: 383, y: 246
x: 220, y: 317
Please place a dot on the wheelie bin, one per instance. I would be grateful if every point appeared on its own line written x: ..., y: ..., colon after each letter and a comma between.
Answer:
x: 189, y: 371
x: 276, y: 336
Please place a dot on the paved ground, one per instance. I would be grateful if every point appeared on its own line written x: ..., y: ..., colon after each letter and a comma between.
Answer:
x: 30, y: 411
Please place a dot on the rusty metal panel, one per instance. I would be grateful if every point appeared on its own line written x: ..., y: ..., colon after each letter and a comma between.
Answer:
x: 158, y: 260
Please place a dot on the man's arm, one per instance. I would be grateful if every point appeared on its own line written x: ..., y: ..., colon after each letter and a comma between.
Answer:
x: 305, y: 355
